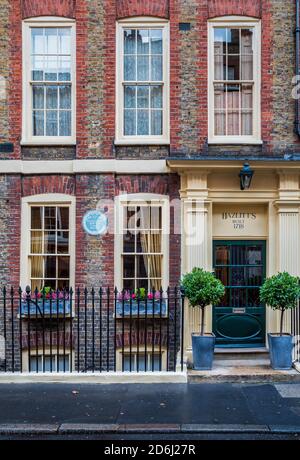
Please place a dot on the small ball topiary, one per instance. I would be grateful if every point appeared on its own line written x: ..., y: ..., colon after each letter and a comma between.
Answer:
x: 202, y: 288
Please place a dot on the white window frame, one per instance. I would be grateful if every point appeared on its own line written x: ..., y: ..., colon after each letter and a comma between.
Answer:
x: 45, y: 200
x: 27, y: 126
x: 47, y: 353
x: 119, y: 360
x: 135, y: 23
x: 123, y: 201
x: 245, y: 22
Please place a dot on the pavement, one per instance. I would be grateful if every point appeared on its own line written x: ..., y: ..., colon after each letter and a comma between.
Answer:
x: 126, y: 409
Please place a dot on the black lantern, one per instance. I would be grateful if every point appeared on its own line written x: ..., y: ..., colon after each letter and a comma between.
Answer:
x: 246, y: 175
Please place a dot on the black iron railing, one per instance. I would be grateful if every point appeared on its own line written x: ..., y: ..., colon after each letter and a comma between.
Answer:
x: 91, y: 330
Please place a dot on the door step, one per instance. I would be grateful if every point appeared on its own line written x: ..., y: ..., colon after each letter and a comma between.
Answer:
x: 239, y: 354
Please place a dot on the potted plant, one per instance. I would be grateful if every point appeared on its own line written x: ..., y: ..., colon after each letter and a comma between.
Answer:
x: 202, y: 288
x: 281, y: 292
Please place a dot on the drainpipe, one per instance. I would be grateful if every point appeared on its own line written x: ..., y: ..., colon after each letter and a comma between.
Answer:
x: 297, y: 124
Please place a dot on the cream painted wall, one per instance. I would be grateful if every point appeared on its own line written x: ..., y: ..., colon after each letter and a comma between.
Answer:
x: 207, y: 192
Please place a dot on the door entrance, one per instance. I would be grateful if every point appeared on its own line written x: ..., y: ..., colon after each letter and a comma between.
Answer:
x: 239, y: 319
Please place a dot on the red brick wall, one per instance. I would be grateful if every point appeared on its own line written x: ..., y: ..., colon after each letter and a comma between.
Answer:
x: 34, y: 8
x: 267, y: 75
x: 110, y: 76
x: 129, y: 8
x: 35, y: 185
x: 13, y: 230
x: 81, y: 79
x: 15, y: 77
x: 234, y: 7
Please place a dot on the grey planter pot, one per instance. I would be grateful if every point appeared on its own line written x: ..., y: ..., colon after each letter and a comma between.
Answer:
x: 203, y: 351
x: 281, y: 348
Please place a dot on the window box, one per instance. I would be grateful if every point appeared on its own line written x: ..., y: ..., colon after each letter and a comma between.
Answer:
x: 41, y: 309
x: 142, y: 308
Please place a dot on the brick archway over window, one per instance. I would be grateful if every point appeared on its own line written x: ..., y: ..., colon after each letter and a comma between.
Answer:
x: 130, y: 8
x: 35, y: 8
x: 235, y: 8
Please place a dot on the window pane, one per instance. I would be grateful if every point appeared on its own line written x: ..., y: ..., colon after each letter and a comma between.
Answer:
x: 65, y: 97
x: 142, y: 283
x: 144, y: 217
x: 247, y: 41
x: 38, y: 68
x: 38, y: 123
x: 233, y: 96
x: 36, y: 242
x: 247, y: 67
x: 63, y: 363
x: 143, y: 97
x: 62, y: 242
x: 233, y: 38
x: 142, y: 242
x: 142, y: 68
x: 247, y: 120
x: 63, y: 267
x: 36, y: 267
x: 51, y: 41
x: 49, y: 243
x: 50, y: 267
x: 155, y: 243
x: 155, y: 266
x: 37, y: 40
x: 156, y: 217
x: 50, y: 218
x: 220, y: 123
x: 156, y: 41
x: 129, y: 285
x: 220, y: 67
x: 63, y: 218
x: 51, y: 68
x: 156, y: 68
x: 38, y: 97
x: 129, y: 122
x: 64, y: 68
x: 65, y: 123
x: 64, y: 40
x: 51, y: 123
x: 36, y: 217
x: 156, y: 122
x: 220, y: 40
x: 128, y: 266
x: 143, y: 41
x: 129, y: 41
x: 142, y: 266
x: 129, y: 242
x: 156, y: 97
x: 233, y: 123
x: 247, y: 98
x: 47, y: 364
x: 233, y: 70
x: 129, y: 99
x: 143, y: 122
x: 51, y: 97
x: 129, y: 68
x: 220, y: 96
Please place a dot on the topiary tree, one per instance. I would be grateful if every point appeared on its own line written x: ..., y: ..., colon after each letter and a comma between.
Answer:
x: 281, y: 292
x: 202, y: 288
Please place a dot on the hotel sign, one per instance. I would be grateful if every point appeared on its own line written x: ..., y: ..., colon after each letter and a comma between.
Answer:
x: 240, y: 221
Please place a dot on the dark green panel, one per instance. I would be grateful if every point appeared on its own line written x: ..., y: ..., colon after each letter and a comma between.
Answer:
x: 239, y: 319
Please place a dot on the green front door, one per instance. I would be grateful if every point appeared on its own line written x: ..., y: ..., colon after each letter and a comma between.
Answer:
x: 239, y: 319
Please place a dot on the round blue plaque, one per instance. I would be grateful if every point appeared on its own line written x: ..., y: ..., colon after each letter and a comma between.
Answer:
x: 95, y: 222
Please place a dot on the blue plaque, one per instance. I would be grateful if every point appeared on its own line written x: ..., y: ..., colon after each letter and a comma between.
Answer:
x: 95, y: 222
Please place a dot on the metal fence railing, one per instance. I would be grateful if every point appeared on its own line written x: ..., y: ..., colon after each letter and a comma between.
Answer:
x: 91, y: 330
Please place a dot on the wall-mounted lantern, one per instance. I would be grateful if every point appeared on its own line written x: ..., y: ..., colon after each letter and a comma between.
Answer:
x: 246, y: 175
